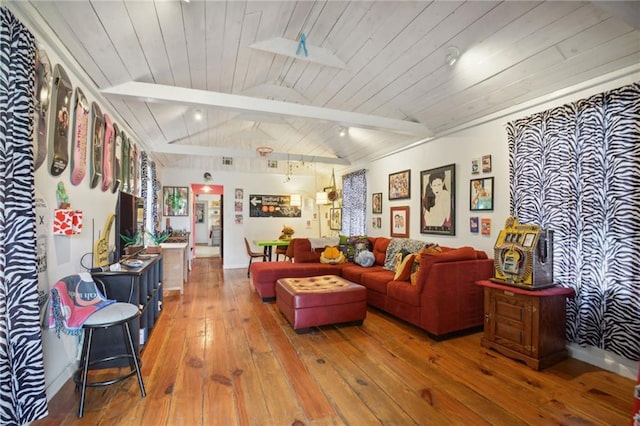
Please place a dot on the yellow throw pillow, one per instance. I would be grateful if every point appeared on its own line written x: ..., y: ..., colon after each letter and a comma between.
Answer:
x: 403, y: 271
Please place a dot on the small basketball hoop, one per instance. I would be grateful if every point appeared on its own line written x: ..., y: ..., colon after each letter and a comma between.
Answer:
x: 263, y: 151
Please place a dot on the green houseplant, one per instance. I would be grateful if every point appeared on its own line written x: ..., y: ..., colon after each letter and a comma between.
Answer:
x: 155, y: 239
x: 132, y: 243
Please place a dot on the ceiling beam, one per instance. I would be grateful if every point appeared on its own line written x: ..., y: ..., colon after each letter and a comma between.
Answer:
x: 286, y: 47
x: 200, y: 150
x: 149, y: 92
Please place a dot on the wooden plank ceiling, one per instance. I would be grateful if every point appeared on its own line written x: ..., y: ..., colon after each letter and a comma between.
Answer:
x: 394, y: 89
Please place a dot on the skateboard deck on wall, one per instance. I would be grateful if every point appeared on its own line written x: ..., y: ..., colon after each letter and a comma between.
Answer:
x: 117, y: 159
x: 96, y: 145
x: 42, y: 99
x: 107, y: 157
x: 135, y: 170
x: 125, y: 164
x: 132, y: 162
x: 80, y: 138
x: 58, y: 136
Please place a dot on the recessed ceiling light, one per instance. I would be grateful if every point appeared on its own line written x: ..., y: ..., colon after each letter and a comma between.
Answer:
x: 452, y: 55
x: 342, y: 132
x: 197, y: 115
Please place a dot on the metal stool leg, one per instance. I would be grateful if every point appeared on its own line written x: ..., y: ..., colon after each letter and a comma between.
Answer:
x: 85, y: 370
x: 132, y: 348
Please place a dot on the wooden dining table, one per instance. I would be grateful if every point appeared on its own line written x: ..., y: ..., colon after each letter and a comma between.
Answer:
x: 269, y: 244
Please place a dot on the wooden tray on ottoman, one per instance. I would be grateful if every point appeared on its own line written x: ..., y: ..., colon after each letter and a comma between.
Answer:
x: 322, y: 300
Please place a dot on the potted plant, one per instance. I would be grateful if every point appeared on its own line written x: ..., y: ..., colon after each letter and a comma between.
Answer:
x: 156, y: 239
x: 132, y: 243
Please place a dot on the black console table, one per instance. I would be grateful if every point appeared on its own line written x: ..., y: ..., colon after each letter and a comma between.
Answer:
x: 140, y: 286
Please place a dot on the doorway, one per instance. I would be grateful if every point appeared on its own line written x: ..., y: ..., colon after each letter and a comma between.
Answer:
x: 208, y: 234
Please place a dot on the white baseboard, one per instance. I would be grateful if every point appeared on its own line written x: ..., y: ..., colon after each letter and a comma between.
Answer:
x: 605, y: 360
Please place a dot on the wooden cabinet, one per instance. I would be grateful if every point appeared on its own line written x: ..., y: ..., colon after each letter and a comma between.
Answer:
x: 527, y: 325
x: 140, y: 286
x: 176, y: 265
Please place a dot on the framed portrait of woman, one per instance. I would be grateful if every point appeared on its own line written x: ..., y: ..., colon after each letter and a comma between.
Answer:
x: 438, y: 200
x: 377, y: 203
x: 481, y: 194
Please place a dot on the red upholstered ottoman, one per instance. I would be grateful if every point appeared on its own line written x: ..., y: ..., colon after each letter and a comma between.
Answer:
x: 314, y: 301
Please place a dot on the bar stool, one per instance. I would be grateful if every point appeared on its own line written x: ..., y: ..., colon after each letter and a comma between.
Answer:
x: 119, y: 313
x: 78, y: 307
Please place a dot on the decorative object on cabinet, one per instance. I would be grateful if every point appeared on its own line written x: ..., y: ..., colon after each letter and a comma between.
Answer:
x: 175, y: 201
x: 481, y: 194
x: 438, y: 200
x: 400, y: 222
x: 527, y: 325
x: 400, y: 185
x: 376, y: 203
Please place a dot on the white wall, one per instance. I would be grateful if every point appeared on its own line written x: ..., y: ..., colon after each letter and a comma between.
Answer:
x: 64, y: 253
x: 487, y: 137
x: 235, y: 255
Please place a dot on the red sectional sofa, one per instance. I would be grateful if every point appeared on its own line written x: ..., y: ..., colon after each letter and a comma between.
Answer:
x: 444, y: 300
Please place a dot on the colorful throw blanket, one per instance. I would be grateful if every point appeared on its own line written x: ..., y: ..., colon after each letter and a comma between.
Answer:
x: 73, y: 300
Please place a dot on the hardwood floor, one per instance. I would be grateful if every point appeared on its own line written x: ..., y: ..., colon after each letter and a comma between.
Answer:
x: 220, y: 356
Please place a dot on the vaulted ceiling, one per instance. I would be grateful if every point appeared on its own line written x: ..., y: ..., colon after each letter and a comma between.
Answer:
x: 375, y: 69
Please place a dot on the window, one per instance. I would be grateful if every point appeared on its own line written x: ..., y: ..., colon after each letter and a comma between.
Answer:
x: 354, y: 203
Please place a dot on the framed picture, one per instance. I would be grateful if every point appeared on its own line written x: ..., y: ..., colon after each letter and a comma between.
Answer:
x: 475, y: 166
x: 335, y: 218
x: 474, y: 224
x: 486, y: 164
x: 377, y: 203
x: 481, y: 194
x: 485, y: 226
x: 438, y: 200
x: 175, y: 201
x: 239, y: 193
x: 199, y: 212
x: 400, y: 185
x: 400, y: 222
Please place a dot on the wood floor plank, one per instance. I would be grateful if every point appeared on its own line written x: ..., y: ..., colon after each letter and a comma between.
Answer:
x: 220, y: 356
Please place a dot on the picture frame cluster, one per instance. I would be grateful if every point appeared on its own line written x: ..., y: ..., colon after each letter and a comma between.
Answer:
x: 437, y: 200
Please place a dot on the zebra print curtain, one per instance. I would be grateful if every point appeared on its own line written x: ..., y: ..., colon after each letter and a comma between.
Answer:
x: 354, y: 203
x: 22, y: 393
x: 576, y: 169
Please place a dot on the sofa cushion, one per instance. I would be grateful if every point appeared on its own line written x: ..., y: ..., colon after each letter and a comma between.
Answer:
x: 377, y: 281
x: 380, y: 249
x: 397, y: 244
x: 353, y: 272
x: 303, y: 252
x: 462, y: 253
x: 403, y: 271
x: 402, y: 291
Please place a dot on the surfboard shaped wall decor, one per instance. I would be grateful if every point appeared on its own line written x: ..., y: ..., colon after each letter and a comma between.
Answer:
x: 97, y: 139
x: 117, y: 159
x: 135, y: 170
x: 81, y: 115
x: 42, y: 100
x: 107, y: 153
x: 58, y: 136
x: 125, y: 164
